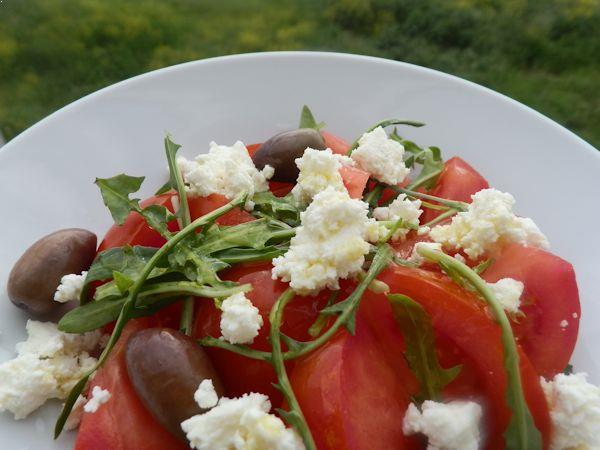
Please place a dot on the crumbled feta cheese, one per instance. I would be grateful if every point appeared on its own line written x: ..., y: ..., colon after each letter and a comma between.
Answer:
x: 240, y: 319
x: 575, y: 412
x: 489, y: 221
x: 76, y: 413
x: 205, y: 395
x: 99, y: 397
x: 319, y: 169
x: 241, y: 423
x: 400, y: 209
x: 70, y: 287
x: 381, y: 156
x: 49, y: 363
x: 564, y: 324
x: 575, y: 315
x: 448, y: 426
x: 331, y: 243
x: 224, y: 170
x: 416, y: 258
x: 508, y: 292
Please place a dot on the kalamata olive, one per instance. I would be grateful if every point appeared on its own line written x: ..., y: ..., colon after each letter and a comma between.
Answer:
x: 37, y: 273
x: 166, y: 368
x: 281, y: 150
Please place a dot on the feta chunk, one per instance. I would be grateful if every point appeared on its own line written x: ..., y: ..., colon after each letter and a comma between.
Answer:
x: 240, y: 319
x: 381, y: 156
x: 48, y: 364
x: 241, y: 423
x: 488, y: 222
x: 319, y: 169
x: 99, y: 397
x: 205, y: 395
x: 416, y: 258
x: 508, y: 292
x: 70, y: 287
x: 400, y: 209
x: 448, y: 426
x: 224, y: 170
x: 575, y: 412
x: 331, y: 243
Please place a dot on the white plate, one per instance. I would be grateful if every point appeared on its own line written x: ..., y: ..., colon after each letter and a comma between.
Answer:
x: 47, y: 173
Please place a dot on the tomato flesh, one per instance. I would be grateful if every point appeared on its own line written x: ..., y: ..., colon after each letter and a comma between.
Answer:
x: 458, y: 181
x: 335, y: 143
x: 549, y: 298
x: 354, y: 180
x: 462, y: 321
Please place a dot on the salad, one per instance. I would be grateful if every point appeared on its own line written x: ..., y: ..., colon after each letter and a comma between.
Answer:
x: 305, y: 293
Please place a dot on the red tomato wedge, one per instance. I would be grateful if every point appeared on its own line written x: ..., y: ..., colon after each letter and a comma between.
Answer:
x: 135, y: 231
x: 458, y: 181
x: 354, y: 180
x: 351, y: 397
x: 252, y: 148
x: 335, y: 143
x: 200, y: 206
x: 461, y: 321
x: 122, y: 423
x: 257, y: 376
x: 550, y: 297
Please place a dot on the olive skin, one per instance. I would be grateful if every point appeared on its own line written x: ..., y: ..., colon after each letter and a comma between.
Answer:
x: 281, y: 150
x: 166, y: 368
x: 37, y: 273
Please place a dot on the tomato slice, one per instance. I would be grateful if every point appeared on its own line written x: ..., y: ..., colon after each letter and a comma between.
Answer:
x: 122, y: 423
x: 200, y: 206
x: 135, y: 231
x: 550, y: 297
x: 351, y: 397
x: 335, y: 143
x: 458, y: 181
x: 354, y: 180
x: 468, y: 335
x: 258, y: 376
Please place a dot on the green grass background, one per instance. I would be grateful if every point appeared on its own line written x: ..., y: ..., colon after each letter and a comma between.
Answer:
x: 544, y: 53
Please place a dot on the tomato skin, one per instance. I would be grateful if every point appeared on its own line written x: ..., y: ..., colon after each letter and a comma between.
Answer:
x: 135, y: 231
x: 550, y: 296
x: 458, y: 181
x: 199, y: 206
x: 354, y: 180
x: 258, y: 376
x: 123, y: 423
x: 462, y: 321
x: 335, y: 143
x: 351, y: 397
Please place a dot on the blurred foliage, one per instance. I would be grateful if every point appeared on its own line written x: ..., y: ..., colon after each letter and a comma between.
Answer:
x: 545, y: 53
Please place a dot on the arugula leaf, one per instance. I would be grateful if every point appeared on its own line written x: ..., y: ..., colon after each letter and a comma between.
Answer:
x: 241, y: 255
x: 415, y: 325
x: 433, y: 164
x: 195, y: 264
x: 254, y: 234
x: 152, y: 298
x: 307, y: 120
x: 284, y: 209
x: 122, y: 281
x: 129, y: 261
x: 115, y: 193
x: 176, y: 180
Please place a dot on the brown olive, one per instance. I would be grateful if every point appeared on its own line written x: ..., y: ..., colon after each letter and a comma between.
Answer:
x: 37, y: 273
x: 281, y: 150
x: 166, y: 368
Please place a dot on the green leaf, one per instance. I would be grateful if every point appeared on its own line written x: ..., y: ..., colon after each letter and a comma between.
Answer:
x: 115, y: 193
x: 126, y: 260
x: 194, y: 263
x: 176, y: 180
x: 417, y: 329
x: 432, y: 162
x: 482, y: 266
x: 254, y: 234
x: 307, y: 120
x: 284, y: 209
x: 122, y: 281
x: 69, y: 403
x: 242, y: 255
x: 164, y: 188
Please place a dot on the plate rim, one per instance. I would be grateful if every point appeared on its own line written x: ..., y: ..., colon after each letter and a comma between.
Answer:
x: 589, y: 148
